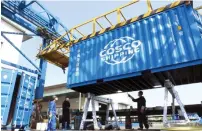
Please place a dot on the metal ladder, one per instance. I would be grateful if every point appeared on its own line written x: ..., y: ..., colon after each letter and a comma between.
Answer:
x: 170, y: 87
x: 94, y: 98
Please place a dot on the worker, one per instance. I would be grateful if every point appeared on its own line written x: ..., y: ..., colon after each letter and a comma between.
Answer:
x: 52, y: 114
x: 33, y: 115
x: 39, y: 117
x: 128, y: 122
x: 141, y: 108
x: 65, y: 114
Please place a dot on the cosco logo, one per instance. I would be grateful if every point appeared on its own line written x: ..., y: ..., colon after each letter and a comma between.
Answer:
x: 120, y: 50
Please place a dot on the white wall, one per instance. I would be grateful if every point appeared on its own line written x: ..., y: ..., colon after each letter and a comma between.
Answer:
x: 8, y: 52
x: 73, y: 102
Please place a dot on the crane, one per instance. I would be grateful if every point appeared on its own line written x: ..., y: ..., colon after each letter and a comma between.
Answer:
x: 27, y: 15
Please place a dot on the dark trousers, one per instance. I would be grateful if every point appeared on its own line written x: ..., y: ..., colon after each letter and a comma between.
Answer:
x: 142, y: 119
x: 66, y: 119
x: 65, y: 125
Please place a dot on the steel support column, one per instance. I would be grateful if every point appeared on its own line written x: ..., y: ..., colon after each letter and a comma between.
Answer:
x: 173, y: 107
x: 41, y: 78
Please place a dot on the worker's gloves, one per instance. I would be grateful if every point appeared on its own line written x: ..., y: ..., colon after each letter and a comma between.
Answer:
x: 142, y: 111
x: 129, y: 96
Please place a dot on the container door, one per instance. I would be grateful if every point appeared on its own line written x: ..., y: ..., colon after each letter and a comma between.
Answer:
x: 8, y: 80
x: 24, y: 101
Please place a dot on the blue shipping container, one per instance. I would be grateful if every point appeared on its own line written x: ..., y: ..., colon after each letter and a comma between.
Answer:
x: 166, y: 41
x: 8, y: 79
x: 23, y: 108
x: 17, y: 95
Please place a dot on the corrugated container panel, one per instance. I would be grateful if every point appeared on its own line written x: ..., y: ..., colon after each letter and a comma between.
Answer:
x: 24, y: 100
x: 8, y: 79
x: 167, y: 39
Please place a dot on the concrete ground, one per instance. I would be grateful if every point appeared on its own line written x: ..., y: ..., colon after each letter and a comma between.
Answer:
x: 196, y: 129
x: 173, y: 129
x: 186, y: 128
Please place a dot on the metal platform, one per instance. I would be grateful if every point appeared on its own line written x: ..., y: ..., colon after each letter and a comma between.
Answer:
x: 60, y: 59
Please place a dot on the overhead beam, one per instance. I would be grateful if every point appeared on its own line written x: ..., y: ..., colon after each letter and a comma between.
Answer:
x: 8, y: 14
x: 11, y: 43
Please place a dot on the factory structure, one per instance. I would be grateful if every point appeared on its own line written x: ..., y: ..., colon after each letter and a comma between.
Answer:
x: 159, y: 49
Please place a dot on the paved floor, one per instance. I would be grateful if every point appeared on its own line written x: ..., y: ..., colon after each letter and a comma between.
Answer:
x: 199, y: 128
x: 111, y: 130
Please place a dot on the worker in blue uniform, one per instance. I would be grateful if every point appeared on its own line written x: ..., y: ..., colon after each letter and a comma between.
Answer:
x: 52, y: 114
x: 141, y: 108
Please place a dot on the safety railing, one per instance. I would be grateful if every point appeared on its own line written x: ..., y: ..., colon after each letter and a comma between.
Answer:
x: 94, y: 23
x: 59, y: 44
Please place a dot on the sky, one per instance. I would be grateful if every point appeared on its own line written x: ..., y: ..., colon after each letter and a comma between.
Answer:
x: 71, y: 13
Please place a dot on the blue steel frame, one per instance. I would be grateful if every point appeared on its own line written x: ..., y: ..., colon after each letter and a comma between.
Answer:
x: 21, y: 12
x: 11, y: 9
x: 18, y: 33
x: 20, y: 67
x: 41, y: 71
x: 2, y: 34
x: 41, y: 78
